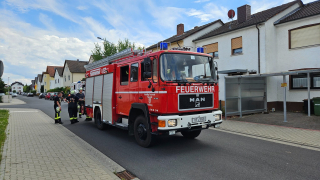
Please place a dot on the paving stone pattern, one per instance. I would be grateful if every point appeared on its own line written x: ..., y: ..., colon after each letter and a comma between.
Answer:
x: 310, y: 138
x: 39, y: 149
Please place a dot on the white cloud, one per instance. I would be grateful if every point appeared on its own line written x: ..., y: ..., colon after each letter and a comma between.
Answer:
x: 27, y: 50
x: 46, y: 21
x: 56, y: 6
x: 14, y: 77
x: 210, y: 12
x: 201, y: 1
x: 82, y: 8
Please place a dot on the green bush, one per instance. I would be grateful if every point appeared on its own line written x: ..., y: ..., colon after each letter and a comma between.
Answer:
x: 14, y: 91
x: 0, y: 99
x: 34, y: 92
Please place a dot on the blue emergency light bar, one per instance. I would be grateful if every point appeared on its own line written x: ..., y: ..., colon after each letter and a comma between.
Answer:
x: 200, y: 49
x: 163, y: 46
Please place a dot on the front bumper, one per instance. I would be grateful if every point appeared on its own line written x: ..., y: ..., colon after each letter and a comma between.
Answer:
x: 185, y: 122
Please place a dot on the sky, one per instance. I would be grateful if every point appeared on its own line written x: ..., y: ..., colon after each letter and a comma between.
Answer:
x: 38, y: 33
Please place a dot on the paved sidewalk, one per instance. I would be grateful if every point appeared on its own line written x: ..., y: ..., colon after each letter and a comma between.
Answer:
x: 36, y: 148
x: 303, y: 137
x: 14, y: 101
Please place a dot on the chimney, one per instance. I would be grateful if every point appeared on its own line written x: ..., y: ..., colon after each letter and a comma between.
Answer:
x: 180, y: 29
x: 244, y: 13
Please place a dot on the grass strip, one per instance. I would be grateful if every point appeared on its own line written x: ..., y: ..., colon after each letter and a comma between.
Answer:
x: 4, y: 115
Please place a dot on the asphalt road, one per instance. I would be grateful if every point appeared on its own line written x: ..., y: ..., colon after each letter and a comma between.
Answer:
x: 213, y: 155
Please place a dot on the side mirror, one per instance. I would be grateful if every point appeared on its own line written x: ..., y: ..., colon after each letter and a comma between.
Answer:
x: 147, y: 67
x: 214, y: 69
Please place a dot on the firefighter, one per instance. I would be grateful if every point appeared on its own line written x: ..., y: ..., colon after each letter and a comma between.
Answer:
x: 81, y: 97
x: 57, y: 109
x: 72, y: 107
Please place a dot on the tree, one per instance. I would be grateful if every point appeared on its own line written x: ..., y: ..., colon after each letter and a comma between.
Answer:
x: 14, y: 91
x: 26, y: 88
x: 110, y: 48
x: 2, y: 86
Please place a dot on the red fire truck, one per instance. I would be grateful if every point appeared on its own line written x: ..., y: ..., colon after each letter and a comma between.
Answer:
x: 154, y: 93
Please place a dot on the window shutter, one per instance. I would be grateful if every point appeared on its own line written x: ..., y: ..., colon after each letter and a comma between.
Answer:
x: 236, y: 43
x: 211, y: 48
x: 305, y: 36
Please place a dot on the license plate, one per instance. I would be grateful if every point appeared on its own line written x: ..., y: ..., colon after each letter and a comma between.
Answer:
x: 172, y: 132
x: 198, y: 119
x: 204, y: 126
x: 217, y: 125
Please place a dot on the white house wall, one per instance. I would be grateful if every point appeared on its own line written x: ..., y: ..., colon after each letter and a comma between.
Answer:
x: 16, y: 86
x: 289, y: 59
x: 247, y: 60
x: 188, y: 41
x: 57, y: 80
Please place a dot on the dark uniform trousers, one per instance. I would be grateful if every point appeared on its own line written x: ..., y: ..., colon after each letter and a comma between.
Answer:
x: 73, y: 112
x: 56, y: 115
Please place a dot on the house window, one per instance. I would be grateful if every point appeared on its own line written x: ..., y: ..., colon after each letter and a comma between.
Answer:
x: 212, y: 49
x: 69, y: 77
x: 236, y: 45
x: 134, y: 72
x: 55, y: 81
x: 301, y: 81
x: 304, y: 36
x: 124, y: 75
x: 45, y: 83
x: 14, y: 88
x: 65, y: 79
x: 58, y: 80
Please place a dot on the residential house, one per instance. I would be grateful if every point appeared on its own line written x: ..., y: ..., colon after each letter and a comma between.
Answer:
x: 17, y: 86
x: 45, y: 81
x: 282, y: 38
x: 183, y: 38
x: 36, y: 83
x: 91, y: 60
x: 48, y: 78
x: 32, y: 85
x: 73, y: 71
x: 58, y: 78
x: 39, y: 83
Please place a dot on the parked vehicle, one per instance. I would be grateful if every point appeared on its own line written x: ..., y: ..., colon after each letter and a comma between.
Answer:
x: 53, y: 95
x: 29, y: 94
x: 14, y: 95
x: 2, y: 94
x: 42, y: 95
x: 154, y: 93
x: 47, y: 96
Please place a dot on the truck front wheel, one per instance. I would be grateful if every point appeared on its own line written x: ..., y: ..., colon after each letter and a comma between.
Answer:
x: 142, y: 132
x: 191, y: 134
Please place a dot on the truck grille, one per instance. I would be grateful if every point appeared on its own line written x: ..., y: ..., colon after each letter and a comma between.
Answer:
x: 195, y: 101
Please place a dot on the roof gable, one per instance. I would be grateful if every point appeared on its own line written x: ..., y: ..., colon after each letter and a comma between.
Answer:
x: 256, y: 18
x: 51, y: 69
x: 59, y: 70
x: 307, y: 10
x: 186, y: 34
x: 75, y: 66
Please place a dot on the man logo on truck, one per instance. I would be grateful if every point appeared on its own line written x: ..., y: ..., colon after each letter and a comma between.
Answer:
x: 197, y: 101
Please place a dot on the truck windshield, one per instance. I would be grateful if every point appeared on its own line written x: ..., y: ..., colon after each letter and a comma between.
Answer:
x: 185, y: 68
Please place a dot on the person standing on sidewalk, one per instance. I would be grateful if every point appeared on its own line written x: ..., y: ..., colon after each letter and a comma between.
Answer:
x: 57, y: 108
x: 73, y: 107
x: 81, y: 97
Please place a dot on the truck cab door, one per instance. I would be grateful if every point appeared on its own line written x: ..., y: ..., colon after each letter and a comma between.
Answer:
x: 149, y: 88
x: 122, y: 93
x: 134, y: 83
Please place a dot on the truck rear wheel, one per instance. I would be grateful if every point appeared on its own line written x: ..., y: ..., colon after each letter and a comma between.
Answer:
x: 191, y: 134
x: 98, y: 120
x: 142, y: 133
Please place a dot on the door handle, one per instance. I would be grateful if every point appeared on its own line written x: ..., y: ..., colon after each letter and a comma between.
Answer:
x: 120, y: 97
x: 140, y: 97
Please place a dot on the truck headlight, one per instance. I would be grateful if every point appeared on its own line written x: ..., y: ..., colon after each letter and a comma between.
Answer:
x: 172, y: 122
x: 217, y: 117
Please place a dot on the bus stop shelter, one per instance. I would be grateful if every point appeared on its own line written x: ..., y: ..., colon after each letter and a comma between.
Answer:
x: 246, y: 94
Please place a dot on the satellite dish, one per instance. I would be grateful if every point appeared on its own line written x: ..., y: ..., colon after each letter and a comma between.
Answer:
x: 1, y: 68
x: 231, y: 13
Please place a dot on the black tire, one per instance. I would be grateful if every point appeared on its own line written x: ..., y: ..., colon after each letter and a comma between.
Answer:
x: 191, y: 134
x: 98, y: 120
x: 142, y: 133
